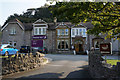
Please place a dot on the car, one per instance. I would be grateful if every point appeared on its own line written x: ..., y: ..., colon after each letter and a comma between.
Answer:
x: 25, y: 49
x: 7, y: 49
x: 43, y: 50
x: 40, y: 49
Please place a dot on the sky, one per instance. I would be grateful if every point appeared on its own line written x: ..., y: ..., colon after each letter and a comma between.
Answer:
x: 9, y: 7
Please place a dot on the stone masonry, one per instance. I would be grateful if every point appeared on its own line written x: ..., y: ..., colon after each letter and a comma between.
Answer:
x: 22, y: 62
x: 100, y: 70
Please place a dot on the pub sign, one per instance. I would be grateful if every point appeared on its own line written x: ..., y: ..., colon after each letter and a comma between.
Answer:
x: 106, y: 48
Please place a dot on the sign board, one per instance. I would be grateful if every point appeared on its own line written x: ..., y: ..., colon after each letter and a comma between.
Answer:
x: 106, y: 48
x: 37, y: 43
x: 39, y: 37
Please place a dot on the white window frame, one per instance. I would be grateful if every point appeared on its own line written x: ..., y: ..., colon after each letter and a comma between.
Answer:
x: 80, y: 32
x: 73, y: 32
x: 44, y: 31
x: 38, y: 31
x: 84, y: 32
x: 66, y: 31
x: 12, y: 43
x: 77, y: 32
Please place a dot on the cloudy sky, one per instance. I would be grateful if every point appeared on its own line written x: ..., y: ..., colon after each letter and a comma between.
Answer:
x: 9, y: 7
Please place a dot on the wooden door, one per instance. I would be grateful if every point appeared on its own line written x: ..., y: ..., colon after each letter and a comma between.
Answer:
x: 76, y: 47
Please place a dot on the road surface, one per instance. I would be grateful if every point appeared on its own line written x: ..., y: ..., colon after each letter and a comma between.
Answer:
x: 61, y: 66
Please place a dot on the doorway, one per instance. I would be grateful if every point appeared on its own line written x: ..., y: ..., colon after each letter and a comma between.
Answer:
x: 80, y: 47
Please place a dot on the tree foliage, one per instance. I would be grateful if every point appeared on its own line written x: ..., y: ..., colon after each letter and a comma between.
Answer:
x: 33, y: 14
x: 105, y: 16
x: 29, y: 17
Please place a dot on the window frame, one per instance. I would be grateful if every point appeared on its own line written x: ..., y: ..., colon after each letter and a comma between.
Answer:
x: 39, y: 31
x: 84, y: 32
x: 73, y: 31
x: 13, y: 31
x: 66, y: 31
x: 61, y: 46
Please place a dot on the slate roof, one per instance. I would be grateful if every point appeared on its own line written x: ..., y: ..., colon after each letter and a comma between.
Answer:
x: 51, y: 26
x: 87, y: 24
x: 26, y: 26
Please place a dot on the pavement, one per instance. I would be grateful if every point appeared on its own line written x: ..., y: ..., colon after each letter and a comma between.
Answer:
x: 60, y: 66
x: 111, y: 57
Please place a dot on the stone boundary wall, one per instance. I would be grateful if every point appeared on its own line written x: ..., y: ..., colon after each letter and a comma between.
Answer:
x: 22, y: 62
x: 100, y: 70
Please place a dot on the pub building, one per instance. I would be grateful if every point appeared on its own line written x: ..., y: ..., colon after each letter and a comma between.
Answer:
x: 39, y: 35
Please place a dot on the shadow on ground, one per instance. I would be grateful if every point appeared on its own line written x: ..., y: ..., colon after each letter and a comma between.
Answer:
x: 82, y: 74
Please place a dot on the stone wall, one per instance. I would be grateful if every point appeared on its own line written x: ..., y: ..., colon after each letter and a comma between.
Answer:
x: 51, y: 41
x: 22, y: 62
x: 18, y: 37
x: 98, y: 69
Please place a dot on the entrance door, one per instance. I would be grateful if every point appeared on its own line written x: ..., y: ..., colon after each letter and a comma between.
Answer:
x: 80, y: 47
x: 76, y: 48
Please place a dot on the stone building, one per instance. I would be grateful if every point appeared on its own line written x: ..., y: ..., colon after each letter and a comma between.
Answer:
x: 39, y: 34
x: 63, y: 37
x: 56, y: 37
x: 17, y: 33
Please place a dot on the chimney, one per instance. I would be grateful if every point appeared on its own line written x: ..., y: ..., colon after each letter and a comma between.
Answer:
x: 55, y: 20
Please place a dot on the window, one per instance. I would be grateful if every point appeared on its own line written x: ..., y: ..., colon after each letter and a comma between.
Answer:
x: 13, y: 31
x: 39, y: 31
x: 58, y: 31
x: 66, y: 44
x: 62, y: 31
x: 73, y: 31
x: 84, y: 32
x: 14, y: 44
x: 76, y: 31
x: 80, y: 32
x: 66, y: 31
x: 36, y: 31
x: 44, y: 31
x: 10, y: 42
x: 62, y: 45
x: 58, y: 44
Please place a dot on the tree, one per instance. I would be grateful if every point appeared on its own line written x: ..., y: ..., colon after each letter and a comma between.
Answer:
x: 105, y: 16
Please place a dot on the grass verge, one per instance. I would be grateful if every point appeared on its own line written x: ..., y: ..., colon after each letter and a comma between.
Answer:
x: 112, y: 62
